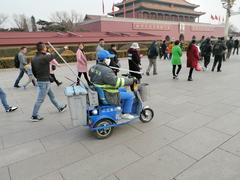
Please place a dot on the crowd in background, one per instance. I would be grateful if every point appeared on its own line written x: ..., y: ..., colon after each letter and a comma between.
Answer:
x: 41, y: 71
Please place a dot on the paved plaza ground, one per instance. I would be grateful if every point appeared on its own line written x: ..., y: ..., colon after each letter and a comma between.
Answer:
x: 195, y: 134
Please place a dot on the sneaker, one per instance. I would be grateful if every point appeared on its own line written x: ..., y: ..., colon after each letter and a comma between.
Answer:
x: 63, y: 108
x: 59, y: 83
x: 24, y: 87
x: 147, y: 73
x: 155, y: 74
x: 127, y: 116
x: 36, y: 118
x: 190, y: 79
x: 219, y: 71
x: 17, y: 86
x: 12, y: 108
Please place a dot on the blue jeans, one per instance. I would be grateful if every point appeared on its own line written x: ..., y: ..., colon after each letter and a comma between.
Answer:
x: 21, y: 73
x: 3, y: 98
x: 127, y: 99
x: 44, y: 89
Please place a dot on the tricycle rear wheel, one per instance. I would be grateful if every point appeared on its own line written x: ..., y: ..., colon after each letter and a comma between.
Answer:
x: 146, y: 115
x: 104, y: 132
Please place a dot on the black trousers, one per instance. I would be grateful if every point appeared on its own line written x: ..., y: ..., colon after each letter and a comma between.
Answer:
x: 174, y: 69
x: 85, y: 76
x: 217, y: 60
x: 236, y: 48
x: 54, y: 79
x: 190, y: 73
x: 206, y: 61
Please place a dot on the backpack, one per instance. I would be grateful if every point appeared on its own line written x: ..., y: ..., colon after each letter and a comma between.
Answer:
x: 152, y: 52
x: 16, y: 61
x: 217, y: 49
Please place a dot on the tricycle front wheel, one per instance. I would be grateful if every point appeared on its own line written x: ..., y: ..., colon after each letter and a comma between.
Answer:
x: 146, y: 115
x: 104, y: 132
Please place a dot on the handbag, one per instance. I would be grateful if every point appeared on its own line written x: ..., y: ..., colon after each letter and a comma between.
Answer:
x: 198, y: 67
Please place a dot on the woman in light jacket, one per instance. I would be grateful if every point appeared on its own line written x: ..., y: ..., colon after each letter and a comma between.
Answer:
x: 81, y: 64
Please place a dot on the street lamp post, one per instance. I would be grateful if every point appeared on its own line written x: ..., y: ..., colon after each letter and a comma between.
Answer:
x: 227, y: 4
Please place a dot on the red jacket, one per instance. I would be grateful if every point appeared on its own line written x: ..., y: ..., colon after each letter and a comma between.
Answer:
x: 192, y: 56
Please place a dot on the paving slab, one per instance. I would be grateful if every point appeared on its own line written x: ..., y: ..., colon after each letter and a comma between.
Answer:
x: 190, y: 122
x: 200, y: 142
x: 48, y: 162
x: 52, y: 176
x: 163, y: 164
x: 229, y: 124
x: 219, y: 165
x: 233, y: 145
x: 100, y: 165
x: 153, y: 140
x: 4, y: 174
x: 24, y: 151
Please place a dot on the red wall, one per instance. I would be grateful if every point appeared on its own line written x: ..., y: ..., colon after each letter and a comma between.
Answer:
x: 172, y: 30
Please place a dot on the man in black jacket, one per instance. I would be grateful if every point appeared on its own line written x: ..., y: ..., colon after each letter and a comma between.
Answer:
x: 218, y: 51
x: 230, y: 44
x: 40, y: 68
x: 206, y: 52
x: 236, y: 46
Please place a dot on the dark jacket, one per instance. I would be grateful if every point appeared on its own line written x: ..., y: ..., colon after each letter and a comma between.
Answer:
x: 134, y: 62
x: 219, y: 48
x: 114, y: 61
x: 164, y: 48
x: 230, y: 44
x: 153, y: 51
x: 40, y: 65
x: 207, y: 49
x: 236, y: 43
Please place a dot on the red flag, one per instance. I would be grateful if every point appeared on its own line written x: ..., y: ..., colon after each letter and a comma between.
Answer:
x: 103, y: 7
x: 124, y: 8
x: 113, y: 11
x: 133, y: 9
x: 216, y: 18
x: 219, y: 18
x: 212, y: 17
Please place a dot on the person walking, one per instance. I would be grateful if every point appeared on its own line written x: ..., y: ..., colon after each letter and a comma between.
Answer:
x: 169, y: 48
x: 22, y: 62
x: 206, y: 52
x: 218, y: 51
x: 164, y: 50
x: 236, y: 46
x: 3, y: 98
x: 134, y: 61
x: 114, y: 60
x: 53, y: 66
x: 31, y: 77
x: 192, y: 58
x: 40, y: 69
x: 81, y: 64
x: 230, y: 45
x: 152, y: 57
x: 100, y: 47
x: 176, y: 59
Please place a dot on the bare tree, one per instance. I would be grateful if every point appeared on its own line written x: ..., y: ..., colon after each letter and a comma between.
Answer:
x: 3, y: 18
x: 68, y: 20
x: 21, y: 22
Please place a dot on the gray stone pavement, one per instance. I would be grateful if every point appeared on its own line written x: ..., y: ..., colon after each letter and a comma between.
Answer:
x: 195, y: 134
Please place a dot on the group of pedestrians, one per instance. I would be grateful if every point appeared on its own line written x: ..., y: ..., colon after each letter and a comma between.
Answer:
x: 42, y: 67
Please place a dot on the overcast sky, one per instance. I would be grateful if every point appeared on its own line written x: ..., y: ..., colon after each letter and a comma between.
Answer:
x: 44, y: 8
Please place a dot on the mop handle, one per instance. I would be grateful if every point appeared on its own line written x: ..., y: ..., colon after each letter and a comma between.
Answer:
x: 63, y: 59
x: 121, y: 69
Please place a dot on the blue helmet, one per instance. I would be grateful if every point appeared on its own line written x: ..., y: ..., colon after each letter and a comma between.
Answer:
x: 103, y: 54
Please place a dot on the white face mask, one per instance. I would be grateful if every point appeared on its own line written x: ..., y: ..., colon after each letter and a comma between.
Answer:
x: 107, y: 61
